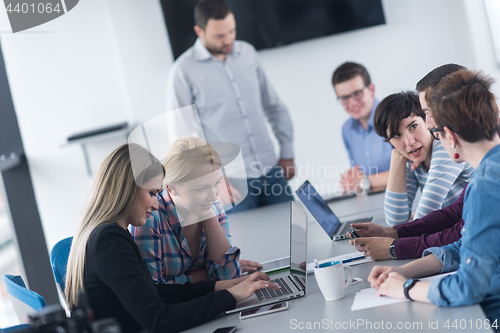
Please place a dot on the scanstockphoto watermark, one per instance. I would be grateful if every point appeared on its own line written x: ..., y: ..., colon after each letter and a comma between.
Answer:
x: 26, y: 14
x: 311, y: 170
x: 369, y: 325
x: 354, y: 324
x: 307, y: 171
x: 322, y: 186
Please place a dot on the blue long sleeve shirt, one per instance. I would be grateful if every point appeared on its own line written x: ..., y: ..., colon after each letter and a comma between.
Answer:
x: 365, y: 148
x: 476, y: 256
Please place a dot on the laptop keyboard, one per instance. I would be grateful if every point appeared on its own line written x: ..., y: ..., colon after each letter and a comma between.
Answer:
x: 263, y: 294
x: 346, y: 225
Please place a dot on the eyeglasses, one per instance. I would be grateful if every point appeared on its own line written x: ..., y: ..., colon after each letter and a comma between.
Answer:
x: 436, y: 133
x: 357, y: 95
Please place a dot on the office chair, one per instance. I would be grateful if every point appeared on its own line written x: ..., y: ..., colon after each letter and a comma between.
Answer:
x: 25, y: 301
x: 59, y: 261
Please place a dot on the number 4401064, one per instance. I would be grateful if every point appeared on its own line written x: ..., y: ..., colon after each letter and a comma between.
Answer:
x: 471, y: 324
x: 31, y: 8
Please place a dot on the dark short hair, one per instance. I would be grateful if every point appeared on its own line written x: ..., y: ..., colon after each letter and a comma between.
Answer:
x: 210, y: 9
x: 349, y: 70
x: 433, y: 77
x: 393, y: 109
x: 464, y: 103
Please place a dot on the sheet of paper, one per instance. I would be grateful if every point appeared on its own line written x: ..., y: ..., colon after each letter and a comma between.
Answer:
x: 310, y: 266
x: 368, y: 298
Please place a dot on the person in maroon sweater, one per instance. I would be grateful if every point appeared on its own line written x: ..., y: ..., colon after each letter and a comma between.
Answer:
x: 409, y: 240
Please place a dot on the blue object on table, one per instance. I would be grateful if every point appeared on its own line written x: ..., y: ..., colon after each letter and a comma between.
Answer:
x: 329, y: 263
x: 352, y: 259
x: 332, y: 263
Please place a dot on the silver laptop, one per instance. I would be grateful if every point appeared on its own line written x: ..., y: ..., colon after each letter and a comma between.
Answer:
x: 323, y: 214
x: 291, y: 277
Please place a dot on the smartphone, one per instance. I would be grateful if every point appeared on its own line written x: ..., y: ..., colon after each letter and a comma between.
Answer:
x: 230, y: 329
x: 353, y: 232
x: 263, y: 310
x: 340, y: 237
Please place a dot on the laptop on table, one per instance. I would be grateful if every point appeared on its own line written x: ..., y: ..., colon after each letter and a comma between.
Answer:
x: 323, y: 214
x: 291, y: 277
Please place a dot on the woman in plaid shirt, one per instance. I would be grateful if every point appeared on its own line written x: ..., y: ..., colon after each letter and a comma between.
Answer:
x: 175, y: 247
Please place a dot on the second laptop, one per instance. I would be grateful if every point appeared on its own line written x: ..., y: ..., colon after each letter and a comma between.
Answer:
x: 323, y: 214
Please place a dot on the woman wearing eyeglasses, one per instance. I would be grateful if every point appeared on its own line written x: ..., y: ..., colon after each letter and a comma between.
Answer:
x: 466, y: 116
x: 399, y: 118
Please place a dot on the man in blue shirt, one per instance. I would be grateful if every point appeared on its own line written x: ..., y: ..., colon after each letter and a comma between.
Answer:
x: 369, y: 154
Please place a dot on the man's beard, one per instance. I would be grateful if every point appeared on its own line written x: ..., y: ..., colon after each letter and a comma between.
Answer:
x: 220, y: 50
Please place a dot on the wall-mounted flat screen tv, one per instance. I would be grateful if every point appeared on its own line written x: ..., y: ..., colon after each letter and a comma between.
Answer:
x: 271, y: 23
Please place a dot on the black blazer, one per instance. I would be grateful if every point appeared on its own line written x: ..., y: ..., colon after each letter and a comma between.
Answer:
x: 118, y: 284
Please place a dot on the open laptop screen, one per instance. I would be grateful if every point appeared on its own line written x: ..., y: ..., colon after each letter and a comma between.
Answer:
x: 298, y: 245
x: 318, y: 208
x: 298, y: 238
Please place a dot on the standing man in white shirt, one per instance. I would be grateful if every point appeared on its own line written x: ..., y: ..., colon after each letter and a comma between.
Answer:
x: 224, y: 79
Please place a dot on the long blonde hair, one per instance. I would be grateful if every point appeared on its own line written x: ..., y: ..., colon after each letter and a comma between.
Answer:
x: 113, y: 195
x: 184, y: 155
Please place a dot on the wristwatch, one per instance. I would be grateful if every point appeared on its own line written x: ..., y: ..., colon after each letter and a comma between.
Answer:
x: 392, y: 250
x: 410, y: 283
x: 365, y: 184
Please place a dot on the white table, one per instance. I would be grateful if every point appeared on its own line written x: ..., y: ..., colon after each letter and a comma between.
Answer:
x: 263, y: 234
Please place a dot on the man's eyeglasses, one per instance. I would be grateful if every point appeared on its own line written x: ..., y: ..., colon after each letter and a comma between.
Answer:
x: 357, y: 95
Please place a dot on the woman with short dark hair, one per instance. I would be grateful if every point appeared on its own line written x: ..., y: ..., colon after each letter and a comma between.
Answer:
x: 399, y: 119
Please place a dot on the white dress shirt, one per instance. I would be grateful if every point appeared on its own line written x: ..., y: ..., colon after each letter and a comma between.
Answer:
x: 233, y: 98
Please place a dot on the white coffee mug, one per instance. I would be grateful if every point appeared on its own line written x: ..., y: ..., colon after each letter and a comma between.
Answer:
x: 331, y: 279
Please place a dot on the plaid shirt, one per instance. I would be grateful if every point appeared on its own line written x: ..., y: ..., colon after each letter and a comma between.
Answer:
x: 166, y: 252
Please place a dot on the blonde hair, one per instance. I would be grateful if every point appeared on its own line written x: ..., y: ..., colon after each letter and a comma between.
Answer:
x: 113, y: 195
x: 184, y: 155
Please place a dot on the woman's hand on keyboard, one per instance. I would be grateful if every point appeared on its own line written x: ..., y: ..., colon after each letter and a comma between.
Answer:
x: 226, y: 284
x: 249, y: 286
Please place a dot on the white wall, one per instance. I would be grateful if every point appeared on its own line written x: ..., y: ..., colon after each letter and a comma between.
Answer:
x: 393, y: 55
x: 107, y: 61
x: 144, y: 50
x: 482, y: 42
x: 65, y: 78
